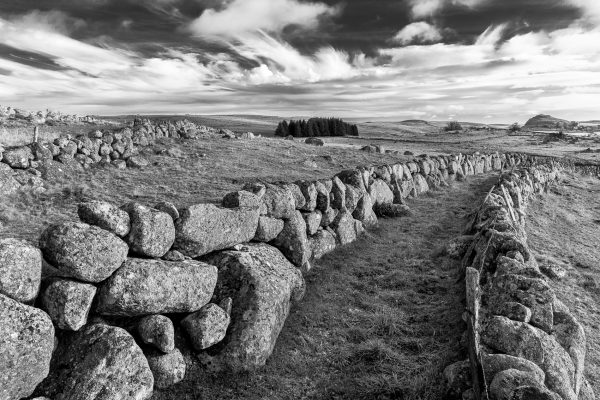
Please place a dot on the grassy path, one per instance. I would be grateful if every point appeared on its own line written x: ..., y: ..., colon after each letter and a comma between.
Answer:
x: 380, y: 320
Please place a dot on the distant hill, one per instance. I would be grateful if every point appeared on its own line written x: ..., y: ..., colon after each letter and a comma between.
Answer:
x: 543, y: 121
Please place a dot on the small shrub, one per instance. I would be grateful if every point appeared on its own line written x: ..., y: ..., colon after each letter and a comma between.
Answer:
x: 453, y: 126
x: 514, y: 128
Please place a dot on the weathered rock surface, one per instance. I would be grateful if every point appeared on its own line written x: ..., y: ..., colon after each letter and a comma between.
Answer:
x: 106, y: 216
x: 279, y: 202
x: 137, y: 162
x: 144, y: 287
x: 26, y: 344
x: 364, y: 211
x: 100, y: 362
x: 204, y: 228
x: 17, y: 157
x: 389, y: 210
x: 495, y: 363
x: 20, y: 270
x: 268, y: 229
x: 313, y: 221
x: 381, y: 193
x: 293, y: 241
x: 169, y: 208
x: 262, y: 284
x: 68, y: 303
x: 158, y: 331
x: 82, y: 251
x: 309, y: 191
x: 344, y: 228
x: 167, y: 369
x: 321, y: 243
x: 505, y: 382
x: 207, y: 326
x: 523, y: 340
x: 242, y: 198
x: 152, y: 232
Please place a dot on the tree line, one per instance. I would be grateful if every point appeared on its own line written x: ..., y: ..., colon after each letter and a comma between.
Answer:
x: 316, y: 127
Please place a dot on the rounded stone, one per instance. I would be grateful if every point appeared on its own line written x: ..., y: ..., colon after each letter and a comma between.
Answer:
x: 105, y: 215
x: 158, y: 331
x: 20, y: 270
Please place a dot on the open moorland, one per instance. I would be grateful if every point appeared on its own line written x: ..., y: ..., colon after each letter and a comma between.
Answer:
x: 383, y: 317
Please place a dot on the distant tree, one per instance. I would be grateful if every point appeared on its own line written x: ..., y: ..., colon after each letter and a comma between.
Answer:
x: 316, y: 127
x: 453, y: 126
x: 514, y: 128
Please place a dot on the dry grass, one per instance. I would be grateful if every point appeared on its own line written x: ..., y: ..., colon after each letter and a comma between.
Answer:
x: 380, y: 320
x: 563, y: 227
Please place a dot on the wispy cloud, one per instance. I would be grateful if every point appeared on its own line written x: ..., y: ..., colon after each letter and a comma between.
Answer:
x: 241, y: 17
x: 428, y: 8
x: 418, y: 31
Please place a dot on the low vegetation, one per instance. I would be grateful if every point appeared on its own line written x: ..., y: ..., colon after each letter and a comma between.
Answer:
x: 453, y: 126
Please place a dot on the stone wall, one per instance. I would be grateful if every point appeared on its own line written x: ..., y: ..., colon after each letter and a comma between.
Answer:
x: 523, y: 343
x: 132, y: 293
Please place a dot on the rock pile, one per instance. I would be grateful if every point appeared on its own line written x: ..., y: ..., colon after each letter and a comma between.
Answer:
x: 523, y: 342
x: 10, y: 114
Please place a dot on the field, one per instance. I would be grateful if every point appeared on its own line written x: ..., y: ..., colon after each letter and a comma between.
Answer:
x: 382, y: 317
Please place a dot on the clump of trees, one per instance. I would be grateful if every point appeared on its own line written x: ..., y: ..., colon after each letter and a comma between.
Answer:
x: 316, y: 127
x: 453, y: 126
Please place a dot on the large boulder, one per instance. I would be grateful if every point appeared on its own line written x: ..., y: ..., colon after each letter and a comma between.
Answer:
x: 204, y: 228
x: 381, y: 193
x: 82, y: 251
x: 152, y: 232
x: 268, y: 229
x: 207, y: 326
x: 26, y: 344
x: 100, y: 362
x: 18, y: 157
x: 293, y: 241
x: 105, y: 215
x: 364, y: 211
x: 520, y: 339
x: 68, y: 303
x: 279, y: 202
x: 262, y: 284
x: 144, y: 287
x: 20, y: 270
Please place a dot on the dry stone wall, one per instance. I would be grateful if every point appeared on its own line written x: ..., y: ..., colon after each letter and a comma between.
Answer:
x: 523, y: 342
x: 129, y: 292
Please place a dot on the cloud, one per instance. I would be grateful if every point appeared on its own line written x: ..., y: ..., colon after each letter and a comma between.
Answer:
x: 53, y: 20
x: 418, y: 31
x: 428, y: 8
x: 591, y: 8
x: 240, y: 17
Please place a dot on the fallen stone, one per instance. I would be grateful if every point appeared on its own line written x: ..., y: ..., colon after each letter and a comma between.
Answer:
x: 293, y: 241
x: 152, y: 232
x: 20, y: 270
x: 68, y: 303
x: 262, y: 284
x: 268, y: 229
x: 158, y: 331
x: 167, y: 369
x: 100, y: 362
x: 82, y: 251
x: 207, y: 326
x: 389, y: 210
x: 144, y: 287
x: 314, y: 141
x: 137, y: 162
x: 105, y: 215
x: 204, y: 228
x: 26, y: 345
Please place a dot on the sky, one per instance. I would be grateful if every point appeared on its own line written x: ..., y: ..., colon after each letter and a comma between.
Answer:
x: 469, y: 60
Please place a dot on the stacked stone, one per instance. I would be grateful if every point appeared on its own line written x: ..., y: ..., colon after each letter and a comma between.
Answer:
x: 524, y: 343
